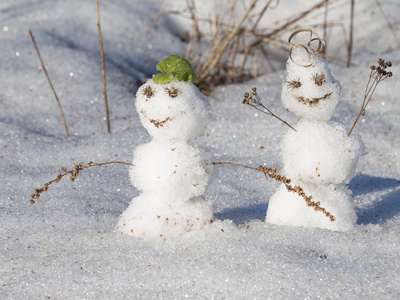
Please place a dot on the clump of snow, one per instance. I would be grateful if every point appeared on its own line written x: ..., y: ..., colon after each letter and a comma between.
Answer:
x: 318, y: 156
x: 300, y: 93
x: 166, y: 116
x: 171, y: 173
x: 288, y: 208
x: 320, y: 153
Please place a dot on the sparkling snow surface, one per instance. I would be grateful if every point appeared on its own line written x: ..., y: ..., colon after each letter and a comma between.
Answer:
x: 65, y: 247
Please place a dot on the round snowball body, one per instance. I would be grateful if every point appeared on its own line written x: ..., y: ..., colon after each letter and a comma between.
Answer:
x: 152, y: 216
x: 320, y: 153
x: 174, y: 168
x: 288, y: 208
x: 310, y: 92
x: 176, y: 110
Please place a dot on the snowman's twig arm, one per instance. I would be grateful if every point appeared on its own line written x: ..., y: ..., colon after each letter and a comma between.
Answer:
x: 74, y: 173
x: 256, y: 103
x: 378, y: 74
x: 273, y: 173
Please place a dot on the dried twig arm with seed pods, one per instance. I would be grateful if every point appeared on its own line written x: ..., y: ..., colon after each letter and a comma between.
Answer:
x: 273, y: 173
x: 74, y: 173
x: 257, y: 103
x: 376, y: 75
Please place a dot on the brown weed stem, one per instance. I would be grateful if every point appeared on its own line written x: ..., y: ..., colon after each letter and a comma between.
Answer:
x: 257, y: 103
x: 74, y: 173
x: 273, y: 173
x: 376, y: 75
x: 103, y: 66
x: 48, y: 79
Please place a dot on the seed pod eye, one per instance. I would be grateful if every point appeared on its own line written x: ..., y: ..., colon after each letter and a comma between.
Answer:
x: 294, y: 84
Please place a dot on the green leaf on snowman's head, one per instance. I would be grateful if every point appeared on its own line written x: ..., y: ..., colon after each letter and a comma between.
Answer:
x: 174, y: 67
x: 162, y: 78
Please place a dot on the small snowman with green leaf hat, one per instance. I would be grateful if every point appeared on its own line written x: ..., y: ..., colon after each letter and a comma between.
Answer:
x: 171, y: 172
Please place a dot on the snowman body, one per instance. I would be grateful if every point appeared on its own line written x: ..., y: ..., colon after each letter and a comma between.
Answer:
x: 171, y: 173
x: 318, y: 156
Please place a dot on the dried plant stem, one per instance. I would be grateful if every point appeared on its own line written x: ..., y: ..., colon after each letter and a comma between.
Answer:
x: 74, y: 173
x: 214, y: 20
x: 262, y: 13
x: 376, y: 75
x: 220, y: 50
x: 257, y: 103
x: 48, y: 79
x: 103, y: 66
x: 225, y: 59
x: 196, y: 31
x: 292, y: 21
x: 350, y: 45
x: 273, y: 173
x: 160, y: 12
x: 325, y: 26
x: 390, y: 25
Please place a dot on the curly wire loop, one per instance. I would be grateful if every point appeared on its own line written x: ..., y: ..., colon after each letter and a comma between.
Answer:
x: 308, y: 53
x: 321, y: 44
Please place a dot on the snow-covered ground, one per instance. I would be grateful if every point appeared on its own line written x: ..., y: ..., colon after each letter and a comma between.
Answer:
x: 65, y: 247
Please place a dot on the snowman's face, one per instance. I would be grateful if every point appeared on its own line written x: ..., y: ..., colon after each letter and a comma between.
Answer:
x: 176, y: 110
x: 311, y: 92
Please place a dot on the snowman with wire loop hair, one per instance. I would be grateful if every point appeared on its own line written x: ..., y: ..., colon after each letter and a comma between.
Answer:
x: 319, y: 156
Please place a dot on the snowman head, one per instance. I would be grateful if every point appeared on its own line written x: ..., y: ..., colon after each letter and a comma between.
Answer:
x: 310, y: 91
x: 175, y: 110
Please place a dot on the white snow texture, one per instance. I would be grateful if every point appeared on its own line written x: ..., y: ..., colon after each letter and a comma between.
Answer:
x: 65, y: 246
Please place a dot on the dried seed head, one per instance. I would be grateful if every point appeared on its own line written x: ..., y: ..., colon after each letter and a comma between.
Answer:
x: 294, y: 84
x: 159, y: 124
x: 148, y: 92
x: 319, y: 78
x: 172, y: 91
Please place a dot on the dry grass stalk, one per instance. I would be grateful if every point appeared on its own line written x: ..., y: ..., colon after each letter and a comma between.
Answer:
x: 300, y: 16
x: 377, y: 75
x: 207, y: 67
x: 257, y: 103
x: 273, y: 174
x: 232, y: 43
x: 48, y: 79
x: 350, y: 45
x: 160, y: 12
x: 325, y: 26
x: 222, y: 65
x: 265, y: 8
x: 74, y: 173
x: 196, y: 36
x: 389, y: 24
x: 103, y: 66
